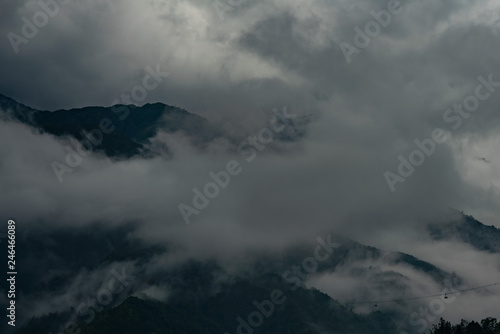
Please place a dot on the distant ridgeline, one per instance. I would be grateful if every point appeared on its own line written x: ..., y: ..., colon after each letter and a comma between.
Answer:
x: 121, y: 131
x: 470, y: 231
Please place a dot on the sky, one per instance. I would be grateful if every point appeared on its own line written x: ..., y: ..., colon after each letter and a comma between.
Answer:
x: 372, y: 93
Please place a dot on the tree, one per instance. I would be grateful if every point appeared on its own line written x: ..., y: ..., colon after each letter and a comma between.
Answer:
x: 490, y: 325
x: 487, y: 326
x: 444, y: 327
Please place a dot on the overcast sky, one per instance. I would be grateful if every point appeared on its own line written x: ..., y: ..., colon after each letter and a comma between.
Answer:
x: 236, y: 65
x: 370, y: 105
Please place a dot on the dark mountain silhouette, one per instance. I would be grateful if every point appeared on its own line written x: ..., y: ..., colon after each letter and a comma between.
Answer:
x: 468, y: 230
x: 132, y: 126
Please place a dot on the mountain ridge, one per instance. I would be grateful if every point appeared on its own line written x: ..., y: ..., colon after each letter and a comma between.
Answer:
x: 132, y: 126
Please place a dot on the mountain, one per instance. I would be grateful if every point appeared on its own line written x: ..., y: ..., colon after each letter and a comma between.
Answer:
x: 239, y: 303
x: 125, y: 129
x: 213, y: 299
x: 193, y: 296
x: 470, y: 231
x: 302, y: 311
x: 186, y: 295
x: 305, y: 311
x: 13, y: 110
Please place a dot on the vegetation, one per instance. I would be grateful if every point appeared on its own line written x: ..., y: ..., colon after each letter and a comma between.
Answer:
x: 486, y: 326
